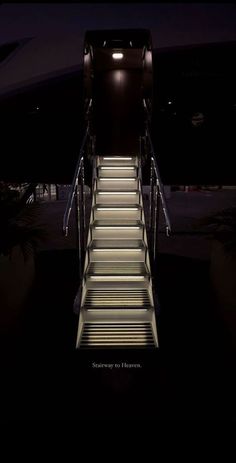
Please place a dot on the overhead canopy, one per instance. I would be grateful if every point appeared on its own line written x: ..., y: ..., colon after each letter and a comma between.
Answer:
x: 125, y: 38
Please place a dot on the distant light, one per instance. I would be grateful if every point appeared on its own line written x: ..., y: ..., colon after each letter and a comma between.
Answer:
x: 117, y: 55
x: 169, y: 102
x: 37, y: 108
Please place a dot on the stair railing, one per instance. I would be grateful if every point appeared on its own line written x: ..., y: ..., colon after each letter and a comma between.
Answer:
x: 157, y: 194
x: 77, y: 197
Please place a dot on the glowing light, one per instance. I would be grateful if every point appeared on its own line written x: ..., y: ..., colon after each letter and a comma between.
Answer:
x: 117, y: 55
x: 116, y: 193
x: 115, y: 277
x: 118, y: 250
x: 117, y: 159
x: 117, y: 228
x: 119, y: 311
x: 119, y: 179
x: 117, y: 209
x: 117, y: 168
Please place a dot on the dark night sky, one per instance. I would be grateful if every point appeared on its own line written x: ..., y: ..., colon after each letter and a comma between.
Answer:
x: 171, y: 24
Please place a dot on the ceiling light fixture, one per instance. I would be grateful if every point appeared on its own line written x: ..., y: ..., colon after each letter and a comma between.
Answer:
x: 117, y: 55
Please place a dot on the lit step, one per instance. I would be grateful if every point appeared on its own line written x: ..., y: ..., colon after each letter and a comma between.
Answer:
x: 122, y: 269
x: 117, y: 250
x: 117, y: 335
x: 117, y: 197
x: 118, y: 212
x: 117, y: 171
x: 117, y: 298
x: 116, y: 303
x: 115, y: 278
x: 129, y: 229
x: 117, y: 161
x: 116, y: 183
x: 124, y: 283
x: 105, y: 281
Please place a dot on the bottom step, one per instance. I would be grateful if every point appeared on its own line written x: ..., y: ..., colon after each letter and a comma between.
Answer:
x: 117, y: 335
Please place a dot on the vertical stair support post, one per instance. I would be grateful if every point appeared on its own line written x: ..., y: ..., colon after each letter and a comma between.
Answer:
x: 140, y: 150
x: 94, y: 176
x: 154, y: 225
x: 78, y: 231
x: 82, y: 206
x: 156, y: 219
x: 151, y: 200
x: 151, y: 195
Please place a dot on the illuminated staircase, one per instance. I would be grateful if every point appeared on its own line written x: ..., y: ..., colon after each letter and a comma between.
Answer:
x: 116, y: 304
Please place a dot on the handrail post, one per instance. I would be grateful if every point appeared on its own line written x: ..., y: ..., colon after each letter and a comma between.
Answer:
x: 155, y: 225
x: 151, y: 212
x: 78, y: 230
x: 84, y: 202
x: 151, y: 197
x: 82, y: 210
x: 157, y: 215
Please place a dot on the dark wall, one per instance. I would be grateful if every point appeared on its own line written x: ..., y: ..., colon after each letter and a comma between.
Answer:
x: 118, y: 111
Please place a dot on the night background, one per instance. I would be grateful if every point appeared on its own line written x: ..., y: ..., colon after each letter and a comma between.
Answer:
x: 192, y: 376
x: 170, y: 24
x: 193, y: 68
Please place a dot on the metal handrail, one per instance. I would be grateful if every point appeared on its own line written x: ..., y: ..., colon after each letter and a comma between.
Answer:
x: 161, y: 189
x: 157, y: 173
x: 89, y: 107
x: 27, y: 194
x: 74, y: 184
x: 147, y: 111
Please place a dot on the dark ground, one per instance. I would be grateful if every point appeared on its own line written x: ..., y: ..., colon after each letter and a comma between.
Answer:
x: 191, y: 376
